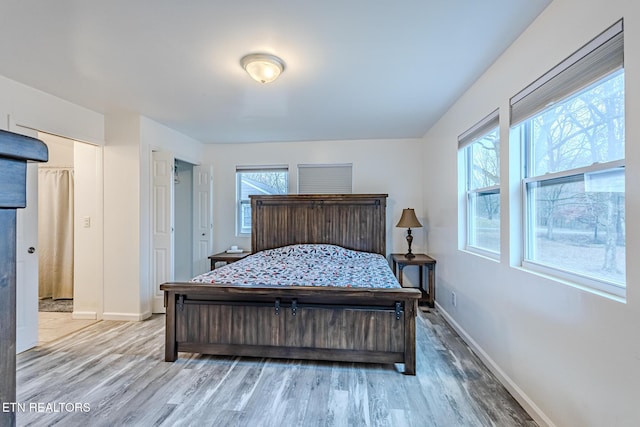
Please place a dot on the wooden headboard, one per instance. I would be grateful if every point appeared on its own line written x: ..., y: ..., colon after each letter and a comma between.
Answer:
x: 353, y: 221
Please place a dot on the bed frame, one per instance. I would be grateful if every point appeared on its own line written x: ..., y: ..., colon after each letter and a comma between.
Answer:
x: 317, y: 323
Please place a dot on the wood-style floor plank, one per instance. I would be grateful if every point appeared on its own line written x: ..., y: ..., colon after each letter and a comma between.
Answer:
x: 118, y: 370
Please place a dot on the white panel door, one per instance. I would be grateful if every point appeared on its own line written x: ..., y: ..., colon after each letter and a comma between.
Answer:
x: 162, y: 223
x: 27, y: 259
x: 202, y: 218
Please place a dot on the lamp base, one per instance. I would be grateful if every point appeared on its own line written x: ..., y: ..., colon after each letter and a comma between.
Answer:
x: 409, y: 255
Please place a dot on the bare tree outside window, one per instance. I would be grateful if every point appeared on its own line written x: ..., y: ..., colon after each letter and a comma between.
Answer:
x: 274, y: 182
x: 575, y: 190
x: 252, y: 181
x: 483, y: 157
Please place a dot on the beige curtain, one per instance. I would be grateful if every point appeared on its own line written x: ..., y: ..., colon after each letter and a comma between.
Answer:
x: 55, y: 232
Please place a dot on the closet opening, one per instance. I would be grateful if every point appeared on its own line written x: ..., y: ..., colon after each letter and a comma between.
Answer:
x: 55, y: 226
x: 58, y: 201
x: 183, y: 211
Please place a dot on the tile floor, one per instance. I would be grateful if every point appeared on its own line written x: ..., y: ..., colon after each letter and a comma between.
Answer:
x: 52, y: 325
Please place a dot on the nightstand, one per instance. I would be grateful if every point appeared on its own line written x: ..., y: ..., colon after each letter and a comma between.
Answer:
x: 424, y: 262
x: 226, y: 257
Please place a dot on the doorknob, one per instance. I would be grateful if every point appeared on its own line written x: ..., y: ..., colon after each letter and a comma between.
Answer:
x: 31, y: 250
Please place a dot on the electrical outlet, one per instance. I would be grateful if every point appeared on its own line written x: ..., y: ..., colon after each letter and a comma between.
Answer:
x: 454, y: 299
x: 86, y: 222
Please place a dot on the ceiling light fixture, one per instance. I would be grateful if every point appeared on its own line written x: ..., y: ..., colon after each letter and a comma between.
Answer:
x: 262, y: 67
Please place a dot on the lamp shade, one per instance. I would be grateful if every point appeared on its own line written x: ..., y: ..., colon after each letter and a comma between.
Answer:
x: 408, y: 219
x: 262, y: 67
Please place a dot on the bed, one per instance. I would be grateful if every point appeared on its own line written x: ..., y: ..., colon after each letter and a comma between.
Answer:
x: 320, y: 319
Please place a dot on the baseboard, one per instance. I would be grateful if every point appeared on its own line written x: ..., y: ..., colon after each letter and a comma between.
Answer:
x: 84, y: 315
x: 129, y: 317
x: 522, y: 398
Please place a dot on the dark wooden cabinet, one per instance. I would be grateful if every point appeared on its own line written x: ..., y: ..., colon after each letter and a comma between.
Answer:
x: 15, y: 151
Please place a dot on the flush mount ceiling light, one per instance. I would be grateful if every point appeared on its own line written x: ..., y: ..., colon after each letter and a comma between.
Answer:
x: 262, y: 67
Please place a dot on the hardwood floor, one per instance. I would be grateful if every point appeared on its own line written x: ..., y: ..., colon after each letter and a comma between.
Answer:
x: 116, y: 370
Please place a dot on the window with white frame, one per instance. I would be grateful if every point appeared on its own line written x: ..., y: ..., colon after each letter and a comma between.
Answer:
x: 252, y: 180
x: 481, y: 145
x: 571, y: 123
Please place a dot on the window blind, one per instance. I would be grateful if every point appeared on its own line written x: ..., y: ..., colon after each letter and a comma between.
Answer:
x: 262, y: 168
x: 481, y: 128
x: 325, y: 179
x: 601, y: 56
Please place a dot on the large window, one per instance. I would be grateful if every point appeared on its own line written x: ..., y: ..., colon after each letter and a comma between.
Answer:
x: 572, y: 129
x: 481, y: 150
x: 252, y: 180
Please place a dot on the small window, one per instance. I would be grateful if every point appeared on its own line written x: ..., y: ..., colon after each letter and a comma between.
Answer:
x: 481, y: 150
x: 252, y: 180
x: 573, y: 139
x: 325, y: 179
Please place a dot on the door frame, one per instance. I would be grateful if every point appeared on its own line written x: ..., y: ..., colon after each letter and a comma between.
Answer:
x: 161, y: 223
x: 157, y: 300
x: 97, y: 243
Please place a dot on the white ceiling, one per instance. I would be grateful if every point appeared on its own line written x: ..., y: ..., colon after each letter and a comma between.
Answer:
x: 355, y: 69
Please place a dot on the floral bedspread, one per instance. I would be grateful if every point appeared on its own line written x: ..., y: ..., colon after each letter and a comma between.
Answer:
x: 306, y: 265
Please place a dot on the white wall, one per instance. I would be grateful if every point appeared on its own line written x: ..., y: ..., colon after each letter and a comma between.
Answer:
x: 88, y: 255
x: 392, y: 167
x: 125, y: 191
x: 155, y: 136
x: 122, y: 228
x: 571, y: 357
x: 38, y: 110
x: 25, y: 107
x: 130, y: 139
x: 60, y: 151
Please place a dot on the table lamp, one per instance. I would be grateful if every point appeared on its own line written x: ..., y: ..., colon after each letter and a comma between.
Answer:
x: 409, y: 220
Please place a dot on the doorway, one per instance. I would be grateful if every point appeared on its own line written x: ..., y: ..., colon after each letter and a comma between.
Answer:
x: 183, y: 203
x: 181, y: 221
x: 68, y: 226
x: 55, y: 226
x: 84, y: 162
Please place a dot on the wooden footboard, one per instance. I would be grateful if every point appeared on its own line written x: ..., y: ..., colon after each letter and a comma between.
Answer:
x: 338, y: 324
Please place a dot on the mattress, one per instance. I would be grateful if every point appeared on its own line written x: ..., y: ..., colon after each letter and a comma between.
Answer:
x: 306, y: 265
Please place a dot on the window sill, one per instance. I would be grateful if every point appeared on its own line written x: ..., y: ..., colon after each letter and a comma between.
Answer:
x: 577, y: 282
x: 491, y: 256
